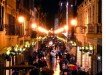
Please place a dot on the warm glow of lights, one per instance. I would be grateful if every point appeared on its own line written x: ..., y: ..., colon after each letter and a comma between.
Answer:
x: 23, y: 49
x: 59, y: 30
x: 62, y: 39
x: 78, y: 56
x: 82, y: 48
x: 7, y: 65
x: 99, y: 57
x: 20, y: 49
x: 75, y: 44
x: 66, y: 27
x: 91, y: 48
x: 42, y: 30
x: 8, y: 52
x: 57, y: 68
x: 27, y: 44
x: 71, y: 41
x: 86, y: 48
x: 16, y: 48
x: 73, y: 22
x: 65, y: 34
x: 85, y: 59
x: 51, y: 43
x: 21, y: 19
x: 34, y: 25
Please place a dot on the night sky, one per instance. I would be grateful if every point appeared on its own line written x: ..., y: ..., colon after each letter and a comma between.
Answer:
x: 50, y: 9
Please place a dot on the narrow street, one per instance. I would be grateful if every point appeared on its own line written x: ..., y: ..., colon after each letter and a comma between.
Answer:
x: 51, y: 37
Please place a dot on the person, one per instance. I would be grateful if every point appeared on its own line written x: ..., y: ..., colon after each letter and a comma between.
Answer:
x: 35, y: 63
x: 42, y: 63
x: 53, y: 57
x: 64, y: 63
x: 81, y: 72
x: 34, y: 71
x: 15, y: 72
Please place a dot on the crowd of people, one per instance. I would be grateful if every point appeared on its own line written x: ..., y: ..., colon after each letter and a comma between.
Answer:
x: 45, y: 59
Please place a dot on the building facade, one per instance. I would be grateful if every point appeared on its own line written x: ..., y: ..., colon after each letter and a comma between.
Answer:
x: 89, y: 32
x: 10, y: 28
x: 11, y: 31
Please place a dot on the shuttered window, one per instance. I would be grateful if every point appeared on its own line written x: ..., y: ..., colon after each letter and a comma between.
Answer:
x: 11, y: 25
x: 1, y: 17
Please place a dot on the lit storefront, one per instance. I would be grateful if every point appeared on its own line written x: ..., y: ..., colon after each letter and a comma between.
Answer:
x: 84, y: 56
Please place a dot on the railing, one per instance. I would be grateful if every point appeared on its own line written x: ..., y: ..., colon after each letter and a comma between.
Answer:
x: 81, y: 29
x: 94, y: 29
x: 91, y: 29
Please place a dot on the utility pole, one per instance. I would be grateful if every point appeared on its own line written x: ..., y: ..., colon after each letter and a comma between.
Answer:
x: 67, y: 25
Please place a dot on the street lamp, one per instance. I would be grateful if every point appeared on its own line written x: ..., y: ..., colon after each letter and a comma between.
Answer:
x: 34, y: 25
x: 21, y: 20
x: 73, y: 22
x: 73, y: 41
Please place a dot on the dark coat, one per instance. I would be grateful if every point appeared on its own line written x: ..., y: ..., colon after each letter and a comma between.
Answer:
x: 42, y: 63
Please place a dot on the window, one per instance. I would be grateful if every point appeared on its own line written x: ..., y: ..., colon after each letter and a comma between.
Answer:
x: 99, y: 11
x: 11, y: 25
x: 90, y: 15
x: 1, y: 17
x: 85, y: 3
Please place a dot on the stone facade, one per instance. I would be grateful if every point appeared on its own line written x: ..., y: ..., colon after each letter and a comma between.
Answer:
x: 89, y: 28
x: 11, y: 30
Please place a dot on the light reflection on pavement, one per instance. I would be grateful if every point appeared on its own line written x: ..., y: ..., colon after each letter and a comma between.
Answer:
x: 57, y: 70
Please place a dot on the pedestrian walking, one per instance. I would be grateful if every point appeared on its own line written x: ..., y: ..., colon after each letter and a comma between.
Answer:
x: 53, y: 54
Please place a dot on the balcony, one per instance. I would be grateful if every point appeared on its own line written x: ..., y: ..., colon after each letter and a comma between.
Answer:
x: 94, y: 29
x: 89, y: 29
x: 80, y: 29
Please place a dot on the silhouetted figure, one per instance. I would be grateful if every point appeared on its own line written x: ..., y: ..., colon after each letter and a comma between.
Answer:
x: 53, y: 57
x: 47, y: 71
x: 80, y: 72
x: 74, y: 72
x: 66, y: 72
x: 15, y: 72
x: 42, y: 63
x: 35, y: 71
